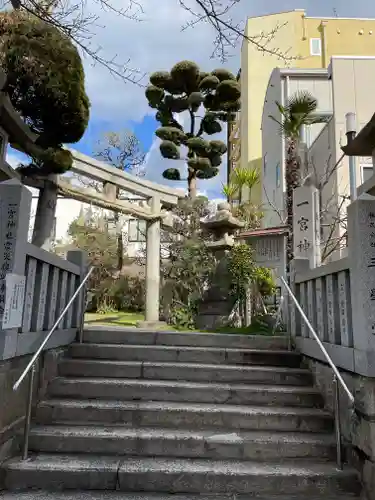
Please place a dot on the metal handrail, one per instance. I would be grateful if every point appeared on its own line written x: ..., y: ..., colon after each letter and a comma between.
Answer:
x: 278, y: 316
x: 336, y: 375
x: 31, y: 366
x: 315, y: 335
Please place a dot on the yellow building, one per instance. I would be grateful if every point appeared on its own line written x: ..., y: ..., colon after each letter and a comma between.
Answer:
x: 310, y: 42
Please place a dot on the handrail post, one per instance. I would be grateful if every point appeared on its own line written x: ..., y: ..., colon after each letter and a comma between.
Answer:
x: 29, y: 404
x: 319, y: 342
x: 290, y: 343
x: 48, y: 336
x: 336, y: 402
x: 278, y: 315
x: 31, y: 367
x: 337, y: 378
x: 82, y: 318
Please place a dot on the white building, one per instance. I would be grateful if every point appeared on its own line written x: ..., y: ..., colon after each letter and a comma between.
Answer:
x: 282, y: 85
x: 68, y: 210
x: 346, y: 86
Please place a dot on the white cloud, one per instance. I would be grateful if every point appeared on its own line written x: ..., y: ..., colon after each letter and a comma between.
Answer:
x: 14, y: 159
x: 155, y: 43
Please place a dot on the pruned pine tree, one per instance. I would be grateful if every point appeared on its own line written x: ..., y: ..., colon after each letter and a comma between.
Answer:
x: 208, y: 99
x: 45, y: 84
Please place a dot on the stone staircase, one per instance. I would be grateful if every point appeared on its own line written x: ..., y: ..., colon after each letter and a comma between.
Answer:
x: 144, y: 416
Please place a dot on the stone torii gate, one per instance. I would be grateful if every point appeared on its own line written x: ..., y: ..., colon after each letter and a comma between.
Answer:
x: 158, y: 199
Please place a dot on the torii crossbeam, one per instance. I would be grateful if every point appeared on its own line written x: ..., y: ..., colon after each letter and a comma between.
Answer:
x: 157, y: 197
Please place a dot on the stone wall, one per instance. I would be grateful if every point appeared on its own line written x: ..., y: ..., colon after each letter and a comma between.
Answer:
x: 358, y: 425
x: 13, y: 403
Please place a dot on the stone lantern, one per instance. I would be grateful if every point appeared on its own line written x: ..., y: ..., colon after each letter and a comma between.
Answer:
x: 222, y: 225
x: 217, y: 305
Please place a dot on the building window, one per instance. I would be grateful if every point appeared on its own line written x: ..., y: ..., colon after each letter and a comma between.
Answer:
x: 137, y: 230
x: 278, y: 175
x: 367, y: 173
x: 315, y: 46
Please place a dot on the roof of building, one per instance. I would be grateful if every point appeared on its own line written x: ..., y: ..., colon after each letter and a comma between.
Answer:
x: 278, y: 13
x: 263, y: 232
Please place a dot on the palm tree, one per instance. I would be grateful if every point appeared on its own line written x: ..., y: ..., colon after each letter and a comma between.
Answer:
x: 299, y: 111
x: 244, y: 177
x: 246, y: 211
x: 229, y: 191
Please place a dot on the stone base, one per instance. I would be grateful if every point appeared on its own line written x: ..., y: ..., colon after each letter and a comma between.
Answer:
x: 211, y: 321
x: 368, y: 479
x: 358, y: 429
x: 12, y: 414
x: 152, y: 325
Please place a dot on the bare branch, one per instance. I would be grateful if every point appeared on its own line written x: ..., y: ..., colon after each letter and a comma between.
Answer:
x: 88, y: 183
x: 228, y: 32
x: 122, y: 150
x: 283, y: 219
x: 337, y: 219
x: 72, y: 19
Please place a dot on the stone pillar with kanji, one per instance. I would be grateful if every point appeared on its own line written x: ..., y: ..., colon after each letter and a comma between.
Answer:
x: 15, y: 207
x: 306, y: 225
x: 361, y: 241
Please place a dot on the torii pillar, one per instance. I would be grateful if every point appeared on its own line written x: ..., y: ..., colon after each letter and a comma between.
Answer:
x: 152, y: 313
x: 152, y: 258
x: 153, y: 266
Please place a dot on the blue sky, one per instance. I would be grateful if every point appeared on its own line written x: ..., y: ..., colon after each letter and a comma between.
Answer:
x: 157, y: 42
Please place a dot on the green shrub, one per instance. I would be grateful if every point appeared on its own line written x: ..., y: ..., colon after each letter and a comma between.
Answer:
x: 126, y: 293
x: 182, y: 317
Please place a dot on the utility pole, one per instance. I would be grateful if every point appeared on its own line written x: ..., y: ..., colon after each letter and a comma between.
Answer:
x: 350, y: 134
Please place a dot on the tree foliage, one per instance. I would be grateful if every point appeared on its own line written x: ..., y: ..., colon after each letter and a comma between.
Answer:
x: 246, y: 276
x: 248, y: 212
x: 299, y: 110
x: 45, y: 83
x: 241, y: 269
x: 188, y: 264
x: 109, y: 290
x: 185, y: 89
x: 124, y: 151
x: 100, y: 246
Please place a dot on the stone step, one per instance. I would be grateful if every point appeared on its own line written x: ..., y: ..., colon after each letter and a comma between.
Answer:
x: 103, y: 335
x: 90, y: 472
x: 215, y: 444
x: 119, y: 495
x: 183, y: 354
x: 184, y: 415
x: 185, y: 371
x: 168, y: 390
